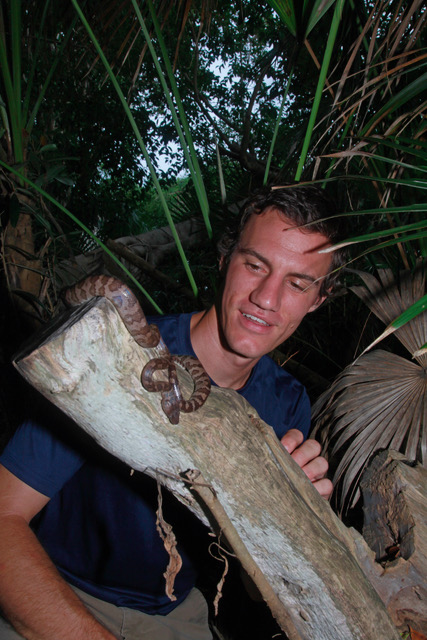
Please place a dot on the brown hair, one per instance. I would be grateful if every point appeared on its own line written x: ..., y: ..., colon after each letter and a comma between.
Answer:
x: 308, y: 207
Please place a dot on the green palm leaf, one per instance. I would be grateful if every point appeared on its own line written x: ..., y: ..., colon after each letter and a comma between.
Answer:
x: 300, y: 17
x: 141, y: 144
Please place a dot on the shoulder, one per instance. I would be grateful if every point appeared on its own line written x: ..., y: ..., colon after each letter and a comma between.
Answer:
x: 280, y: 399
x: 175, y: 331
x: 286, y: 382
x: 166, y: 323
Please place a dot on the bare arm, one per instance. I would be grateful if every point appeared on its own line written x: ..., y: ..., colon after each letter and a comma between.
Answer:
x: 33, y: 595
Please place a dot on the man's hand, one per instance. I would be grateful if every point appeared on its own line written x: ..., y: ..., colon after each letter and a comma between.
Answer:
x: 306, y: 455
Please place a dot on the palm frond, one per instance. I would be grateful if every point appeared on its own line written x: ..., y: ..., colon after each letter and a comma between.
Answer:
x: 380, y: 400
x: 388, y: 301
x: 84, y: 228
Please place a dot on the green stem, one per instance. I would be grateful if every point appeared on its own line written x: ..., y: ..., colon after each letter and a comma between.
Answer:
x: 142, y: 146
x: 320, y: 85
x: 39, y: 41
x: 16, y: 35
x: 187, y: 141
x: 342, y: 137
x: 276, y: 128
x: 221, y: 177
x: 84, y: 228
x: 13, y: 107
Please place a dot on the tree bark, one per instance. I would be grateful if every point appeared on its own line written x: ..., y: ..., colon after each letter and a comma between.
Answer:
x: 395, y: 527
x: 21, y: 263
x: 153, y: 247
x: 222, y: 461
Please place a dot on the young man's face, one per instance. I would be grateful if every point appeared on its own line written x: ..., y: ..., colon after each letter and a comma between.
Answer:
x: 272, y: 282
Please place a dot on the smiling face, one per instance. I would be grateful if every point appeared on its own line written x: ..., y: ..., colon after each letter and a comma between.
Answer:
x: 272, y: 282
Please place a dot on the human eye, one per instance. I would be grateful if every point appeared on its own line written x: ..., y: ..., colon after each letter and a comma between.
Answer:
x: 252, y: 266
x: 299, y: 285
x: 253, y: 262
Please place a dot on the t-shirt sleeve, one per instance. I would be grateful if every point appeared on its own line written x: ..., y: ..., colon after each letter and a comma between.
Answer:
x: 38, y: 458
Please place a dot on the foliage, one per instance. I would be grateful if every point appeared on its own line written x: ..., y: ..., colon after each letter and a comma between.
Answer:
x: 378, y: 401
x: 97, y: 96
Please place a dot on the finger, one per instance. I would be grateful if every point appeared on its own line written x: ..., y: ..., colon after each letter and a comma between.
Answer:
x: 316, y: 469
x: 306, y: 452
x: 292, y: 439
x: 324, y: 487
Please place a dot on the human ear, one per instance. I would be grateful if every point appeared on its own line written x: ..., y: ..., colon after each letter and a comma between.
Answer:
x: 319, y: 300
x: 222, y: 264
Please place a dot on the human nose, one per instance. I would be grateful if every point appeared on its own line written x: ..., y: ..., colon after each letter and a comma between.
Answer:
x: 268, y: 294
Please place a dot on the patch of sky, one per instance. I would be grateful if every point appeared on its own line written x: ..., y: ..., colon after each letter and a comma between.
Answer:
x: 228, y: 84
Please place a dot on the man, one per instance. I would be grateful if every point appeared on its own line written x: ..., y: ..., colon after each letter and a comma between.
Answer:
x: 96, y: 522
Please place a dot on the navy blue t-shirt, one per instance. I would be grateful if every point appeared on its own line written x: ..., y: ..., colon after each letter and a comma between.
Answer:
x: 278, y: 397
x: 99, y: 526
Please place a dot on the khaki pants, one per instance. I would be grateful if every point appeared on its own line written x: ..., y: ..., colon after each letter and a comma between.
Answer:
x: 188, y: 621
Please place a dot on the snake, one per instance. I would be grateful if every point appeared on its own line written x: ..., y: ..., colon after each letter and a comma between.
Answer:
x: 201, y: 381
x: 125, y: 301
x: 147, y: 336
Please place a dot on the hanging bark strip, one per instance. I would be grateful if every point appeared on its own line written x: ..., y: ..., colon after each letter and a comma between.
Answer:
x: 209, y: 499
x: 169, y: 540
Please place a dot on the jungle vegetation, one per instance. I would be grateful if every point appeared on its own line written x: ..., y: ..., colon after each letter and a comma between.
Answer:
x: 120, y: 118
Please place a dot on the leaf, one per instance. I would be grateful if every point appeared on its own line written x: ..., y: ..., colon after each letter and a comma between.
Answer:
x: 409, y: 92
x: 421, y: 351
x: 378, y: 402
x: 401, y: 306
x: 142, y: 145
x: 327, y: 57
x: 416, y: 635
x: 418, y: 308
x: 64, y: 180
x: 49, y: 147
x: 285, y: 9
x: 300, y: 17
x: 86, y: 230
x: 375, y: 235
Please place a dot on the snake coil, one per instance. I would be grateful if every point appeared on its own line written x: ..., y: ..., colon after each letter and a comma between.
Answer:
x: 147, y: 336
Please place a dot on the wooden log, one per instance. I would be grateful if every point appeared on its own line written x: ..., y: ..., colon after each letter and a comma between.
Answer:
x: 287, y: 535
x: 152, y: 246
x: 395, y: 527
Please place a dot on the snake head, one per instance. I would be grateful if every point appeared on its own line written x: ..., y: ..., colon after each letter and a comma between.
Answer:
x: 171, y: 407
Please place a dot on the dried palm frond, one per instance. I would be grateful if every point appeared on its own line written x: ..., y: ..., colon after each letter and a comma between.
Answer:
x: 379, y: 401
x: 388, y: 300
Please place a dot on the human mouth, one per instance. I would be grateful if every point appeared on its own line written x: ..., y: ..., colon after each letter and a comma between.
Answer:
x: 255, y: 319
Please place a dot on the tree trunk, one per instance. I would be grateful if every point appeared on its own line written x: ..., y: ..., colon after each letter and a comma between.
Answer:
x: 153, y: 247
x: 222, y: 460
x: 395, y: 527
x: 22, y: 265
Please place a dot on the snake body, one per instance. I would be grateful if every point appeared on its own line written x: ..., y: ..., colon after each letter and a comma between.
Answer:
x: 201, y: 380
x: 125, y: 301
x: 147, y: 336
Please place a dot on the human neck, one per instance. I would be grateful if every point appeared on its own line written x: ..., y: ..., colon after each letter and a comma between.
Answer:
x: 226, y: 368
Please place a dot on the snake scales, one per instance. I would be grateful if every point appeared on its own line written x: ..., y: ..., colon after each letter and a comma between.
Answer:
x: 148, y: 336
